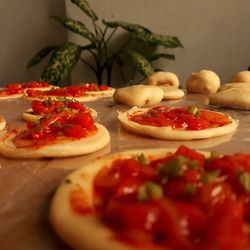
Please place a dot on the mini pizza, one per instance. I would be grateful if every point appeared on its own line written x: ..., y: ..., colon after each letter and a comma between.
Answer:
x: 78, y: 92
x: 184, y: 123
x: 17, y: 90
x: 156, y: 199
x: 50, y: 106
x: 99, y: 90
x: 55, y: 135
x: 2, y: 123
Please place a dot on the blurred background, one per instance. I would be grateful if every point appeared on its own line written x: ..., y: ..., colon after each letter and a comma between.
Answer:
x: 215, y: 33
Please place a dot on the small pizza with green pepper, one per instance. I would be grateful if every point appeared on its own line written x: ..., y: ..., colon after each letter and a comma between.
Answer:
x: 17, y: 90
x: 177, y: 123
x: 82, y: 92
x: 178, y: 199
x: 58, y: 134
x: 53, y: 106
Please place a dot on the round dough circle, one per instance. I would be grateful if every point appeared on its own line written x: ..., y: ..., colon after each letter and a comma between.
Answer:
x: 139, y: 95
x: 63, y: 147
x: 162, y: 78
x: 168, y: 133
x: 203, y: 82
x: 103, y: 93
x: 242, y: 76
x: 172, y: 93
x: 86, y: 231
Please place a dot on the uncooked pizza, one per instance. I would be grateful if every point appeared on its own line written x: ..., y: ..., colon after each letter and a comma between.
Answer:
x: 17, y: 90
x: 177, y: 123
x: 55, y: 135
x: 53, y: 106
x: 156, y: 199
x: 82, y: 92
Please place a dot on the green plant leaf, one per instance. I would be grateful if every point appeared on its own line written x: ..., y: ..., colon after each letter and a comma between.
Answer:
x: 127, y: 26
x: 84, y: 6
x: 162, y: 55
x: 75, y: 26
x: 140, y: 62
x: 61, y: 63
x: 155, y: 39
x: 40, y: 55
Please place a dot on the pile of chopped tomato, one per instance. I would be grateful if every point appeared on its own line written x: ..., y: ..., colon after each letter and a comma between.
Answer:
x: 19, y: 88
x: 180, y: 202
x: 190, y: 118
x: 50, y: 106
x: 71, y: 91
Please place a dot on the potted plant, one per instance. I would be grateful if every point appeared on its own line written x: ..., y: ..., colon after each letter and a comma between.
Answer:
x: 65, y: 56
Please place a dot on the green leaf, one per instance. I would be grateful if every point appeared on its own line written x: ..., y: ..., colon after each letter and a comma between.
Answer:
x: 84, y: 6
x: 127, y: 26
x: 61, y: 63
x: 162, y: 55
x: 140, y: 63
x: 155, y: 39
x: 40, y: 55
x: 75, y: 26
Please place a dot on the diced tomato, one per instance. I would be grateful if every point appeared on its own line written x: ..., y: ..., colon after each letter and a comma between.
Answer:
x: 74, y: 130
x: 103, y: 87
x: 129, y: 168
x: 225, y: 228
x: 214, y: 117
x: 91, y: 87
x: 76, y: 105
x: 192, y: 175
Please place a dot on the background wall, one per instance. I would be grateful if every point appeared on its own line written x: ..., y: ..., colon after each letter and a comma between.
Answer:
x: 25, y: 28
x: 215, y: 33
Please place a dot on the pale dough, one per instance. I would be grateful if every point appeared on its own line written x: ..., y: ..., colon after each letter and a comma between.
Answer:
x: 232, y: 97
x: 162, y: 78
x: 2, y: 123
x: 242, y: 76
x: 63, y: 147
x: 203, y: 82
x: 102, y: 93
x: 139, y: 95
x: 86, y: 231
x: 172, y: 93
x: 168, y: 133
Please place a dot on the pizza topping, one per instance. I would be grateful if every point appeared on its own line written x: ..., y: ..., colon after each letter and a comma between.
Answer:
x: 180, y: 201
x: 68, y: 91
x: 190, y: 118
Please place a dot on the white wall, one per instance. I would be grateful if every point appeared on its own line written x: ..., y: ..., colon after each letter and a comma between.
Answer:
x: 25, y: 28
x: 215, y: 33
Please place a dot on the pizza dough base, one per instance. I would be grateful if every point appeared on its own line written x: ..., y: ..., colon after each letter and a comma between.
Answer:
x: 103, y: 93
x: 242, y: 76
x: 172, y: 93
x: 232, y: 97
x: 28, y: 115
x: 238, y: 85
x: 63, y: 148
x: 139, y: 95
x: 167, y: 133
x: 86, y: 231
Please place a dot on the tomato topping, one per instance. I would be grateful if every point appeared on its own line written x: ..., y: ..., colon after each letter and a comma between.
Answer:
x: 180, y: 201
x: 190, y: 118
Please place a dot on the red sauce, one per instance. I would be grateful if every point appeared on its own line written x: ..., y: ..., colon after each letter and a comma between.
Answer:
x: 68, y: 91
x: 46, y: 130
x: 180, y: 118
x: 180, y: 202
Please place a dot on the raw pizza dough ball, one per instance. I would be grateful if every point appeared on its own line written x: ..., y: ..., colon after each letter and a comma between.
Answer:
x: 242, y: 76
x: 162, y: 79
x: 239, y: 85
x: 139, y: 95
x: 233, y: 97
x: 203, y: 82
x: 172, y: 93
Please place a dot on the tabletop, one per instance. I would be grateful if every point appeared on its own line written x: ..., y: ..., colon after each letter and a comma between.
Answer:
x: 27, y: 186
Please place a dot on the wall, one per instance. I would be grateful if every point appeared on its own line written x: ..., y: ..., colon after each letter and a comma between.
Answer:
x: 215, y: 33
x: 25, y: 28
